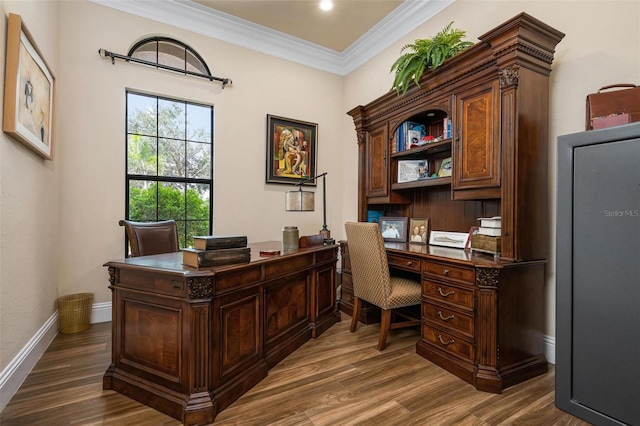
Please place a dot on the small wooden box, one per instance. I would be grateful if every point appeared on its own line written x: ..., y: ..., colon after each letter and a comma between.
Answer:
x: 311, y: 241
x: 485, y: 243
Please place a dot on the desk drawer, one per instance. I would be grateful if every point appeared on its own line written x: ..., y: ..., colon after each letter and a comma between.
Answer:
x: 403, y: 262
x: 446, y: 293
x: 448, y: 318
x: 443, y: 270
x: 448, y: 342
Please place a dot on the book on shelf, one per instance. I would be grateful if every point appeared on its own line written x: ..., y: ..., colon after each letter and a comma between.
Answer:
x: 492, y: 222
x: 400, y: 138
x: 413, y: 138
x: 445, y: 168
x: 197, y: 258
x: 407, y: 132
x: 446, y: 128
x: 490, y: 231
x: 214, y: 242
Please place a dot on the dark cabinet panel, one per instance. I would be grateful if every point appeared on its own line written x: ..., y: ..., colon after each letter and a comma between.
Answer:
x: 476, y: 150
x: 598, y: 278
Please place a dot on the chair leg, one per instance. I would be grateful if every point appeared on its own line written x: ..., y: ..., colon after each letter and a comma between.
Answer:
x: 385, y: 324
x: 355, y: 314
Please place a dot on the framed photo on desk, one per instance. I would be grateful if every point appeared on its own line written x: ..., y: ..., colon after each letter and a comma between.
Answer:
x: 418, y: 231
x: 394, y: 229
x: 448, y: 239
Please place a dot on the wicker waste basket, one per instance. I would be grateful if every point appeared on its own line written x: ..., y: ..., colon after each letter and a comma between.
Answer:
x: 74, y: 312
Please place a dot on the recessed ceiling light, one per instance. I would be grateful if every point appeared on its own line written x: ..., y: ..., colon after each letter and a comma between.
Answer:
x: 326, y: 5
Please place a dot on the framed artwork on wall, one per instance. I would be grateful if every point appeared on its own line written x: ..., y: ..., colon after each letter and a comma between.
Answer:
x: 394, y: 229
x: 418, y: 231
x: 291, y: 150
x: 28, y: 91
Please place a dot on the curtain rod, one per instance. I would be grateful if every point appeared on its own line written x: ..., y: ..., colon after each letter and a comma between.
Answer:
x: 106, y: 54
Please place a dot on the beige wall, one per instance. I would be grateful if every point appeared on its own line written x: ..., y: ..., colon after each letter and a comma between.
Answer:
x: 29, y: 207
x: 58, y: 220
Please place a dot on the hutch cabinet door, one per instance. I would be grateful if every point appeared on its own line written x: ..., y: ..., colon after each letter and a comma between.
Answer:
x: 377, y: 176
x: 476, y: 148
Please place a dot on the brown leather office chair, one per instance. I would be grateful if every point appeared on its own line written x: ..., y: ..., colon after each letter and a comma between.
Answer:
x: 146, y: 238
x: 372, y: 281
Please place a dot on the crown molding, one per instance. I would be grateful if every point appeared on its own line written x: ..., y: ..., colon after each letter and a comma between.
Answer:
x: 222, y: 26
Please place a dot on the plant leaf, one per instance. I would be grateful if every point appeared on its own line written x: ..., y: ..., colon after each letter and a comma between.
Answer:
x: 425, y: 54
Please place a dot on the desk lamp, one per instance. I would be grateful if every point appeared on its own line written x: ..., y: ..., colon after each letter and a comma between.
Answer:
x: 304, y: 201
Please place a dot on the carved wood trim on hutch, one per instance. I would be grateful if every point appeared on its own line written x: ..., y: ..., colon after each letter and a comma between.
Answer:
x: 496, y: 96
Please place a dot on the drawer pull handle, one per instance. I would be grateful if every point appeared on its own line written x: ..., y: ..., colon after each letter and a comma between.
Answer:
x: 445, y: 343
x: 446, y: 272
x: 409, y: 263
x: 445, y: 294
x: 443, y: 318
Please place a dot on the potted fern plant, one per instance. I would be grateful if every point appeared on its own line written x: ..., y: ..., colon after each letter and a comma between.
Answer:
x: 426, y: 54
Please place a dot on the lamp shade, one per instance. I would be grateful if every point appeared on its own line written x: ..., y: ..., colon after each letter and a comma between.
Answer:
x: 299, y: 201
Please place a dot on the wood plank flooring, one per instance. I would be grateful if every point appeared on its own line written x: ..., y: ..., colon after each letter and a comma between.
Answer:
x: 337, y: 379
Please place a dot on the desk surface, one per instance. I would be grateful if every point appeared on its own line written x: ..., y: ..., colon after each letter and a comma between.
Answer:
x: 451, y: 255
x: 173, y: 261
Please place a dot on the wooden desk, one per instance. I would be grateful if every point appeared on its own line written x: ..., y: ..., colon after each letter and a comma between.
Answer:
x: 189, y: 342
x: 482, y: 318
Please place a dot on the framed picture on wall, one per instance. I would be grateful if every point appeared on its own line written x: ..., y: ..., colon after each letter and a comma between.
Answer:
x: 418, y: 231
x: 291, y: 150
x: 394, y: 229
x: 28, y: 91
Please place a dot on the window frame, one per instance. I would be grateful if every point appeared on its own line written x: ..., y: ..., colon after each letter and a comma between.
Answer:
x: 159, y: 179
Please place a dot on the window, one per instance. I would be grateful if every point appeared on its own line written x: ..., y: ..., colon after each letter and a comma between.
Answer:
x: 171, y: 53
x: 169, y: 160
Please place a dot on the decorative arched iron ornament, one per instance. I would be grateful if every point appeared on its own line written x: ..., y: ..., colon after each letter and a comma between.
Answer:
x: 167, y: 54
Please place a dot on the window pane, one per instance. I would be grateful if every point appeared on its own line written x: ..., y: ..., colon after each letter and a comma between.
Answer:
x: 171, y: 158
x: 171, y: 54
x: 143, y: 201
x: 142, y: 155
x: 198, y: 196
x: 199, y: 119
x: 181, y: 224
x: 146, y: 52
x: 198, y: 160
x: 142, y: 115
x: 194, y: 64
x: 171, y: 119
x: 196, y: 228
x: 171, y: 200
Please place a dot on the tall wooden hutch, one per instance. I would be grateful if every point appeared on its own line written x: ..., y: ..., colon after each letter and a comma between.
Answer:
x: 496, y: 96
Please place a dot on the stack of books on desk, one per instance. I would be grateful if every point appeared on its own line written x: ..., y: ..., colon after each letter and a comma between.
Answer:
x: 487, y: 239
x: 215, y: 250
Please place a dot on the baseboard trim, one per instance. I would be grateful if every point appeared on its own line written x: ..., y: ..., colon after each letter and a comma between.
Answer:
x: 101, y: 312
x: 18, y: 369
x: 12, y: 377
x: 550, y: 349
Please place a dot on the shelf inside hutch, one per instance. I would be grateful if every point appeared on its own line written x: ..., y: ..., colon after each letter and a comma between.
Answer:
x: 422, y: 151
x: 422, y: 183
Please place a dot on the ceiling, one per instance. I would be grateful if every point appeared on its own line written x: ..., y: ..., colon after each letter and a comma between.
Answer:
x: 337, y: 41
x: 336, y: 29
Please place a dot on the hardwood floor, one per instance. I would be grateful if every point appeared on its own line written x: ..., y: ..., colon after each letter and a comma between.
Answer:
x: 337, y: 379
